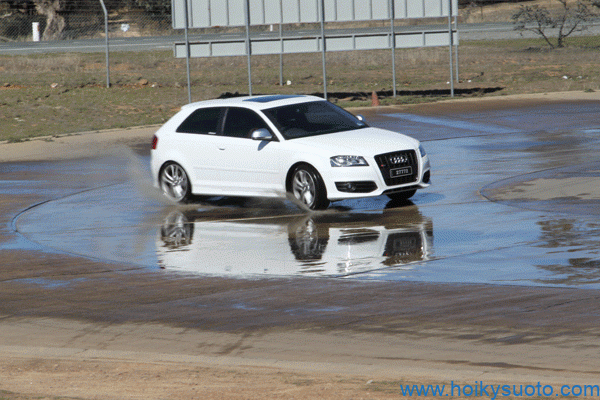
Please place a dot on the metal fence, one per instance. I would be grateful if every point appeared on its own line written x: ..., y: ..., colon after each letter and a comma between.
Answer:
x: 82, y: 19
x: 90, y: 19
x: 26, y: 22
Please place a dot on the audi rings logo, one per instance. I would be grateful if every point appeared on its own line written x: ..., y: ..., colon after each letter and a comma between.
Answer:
x: 399, y: 159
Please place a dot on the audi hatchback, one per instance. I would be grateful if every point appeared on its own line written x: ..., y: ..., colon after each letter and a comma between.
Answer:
x: 283, y: 145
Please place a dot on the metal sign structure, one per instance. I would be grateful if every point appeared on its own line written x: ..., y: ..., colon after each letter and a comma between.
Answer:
x: 312, y: 43
x: 211, y: 13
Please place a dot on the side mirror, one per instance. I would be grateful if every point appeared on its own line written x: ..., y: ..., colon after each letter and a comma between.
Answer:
x: 361, y: 119
x: 261, y: 134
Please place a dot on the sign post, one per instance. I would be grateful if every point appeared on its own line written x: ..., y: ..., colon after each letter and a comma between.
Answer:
x: 106, y: 42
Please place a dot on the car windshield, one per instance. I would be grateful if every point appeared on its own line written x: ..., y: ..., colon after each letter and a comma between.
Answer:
x: 313, y: 118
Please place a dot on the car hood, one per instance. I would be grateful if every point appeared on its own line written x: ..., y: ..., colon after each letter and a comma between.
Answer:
x: 364, y: 142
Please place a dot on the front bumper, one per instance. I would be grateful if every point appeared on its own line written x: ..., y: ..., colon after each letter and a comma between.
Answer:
x: 356, y: 182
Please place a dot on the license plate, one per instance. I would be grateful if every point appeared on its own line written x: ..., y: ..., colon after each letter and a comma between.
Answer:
x: 394, y: 173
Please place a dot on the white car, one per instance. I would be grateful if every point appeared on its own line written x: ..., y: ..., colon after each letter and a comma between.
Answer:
x: 272, y: 146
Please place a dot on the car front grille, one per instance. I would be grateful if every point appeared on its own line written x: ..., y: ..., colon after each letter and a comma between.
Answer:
x: 398, y: 167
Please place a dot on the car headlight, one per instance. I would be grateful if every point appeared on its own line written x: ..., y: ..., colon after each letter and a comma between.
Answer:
x: 348, y: 161
x: 422, y: 151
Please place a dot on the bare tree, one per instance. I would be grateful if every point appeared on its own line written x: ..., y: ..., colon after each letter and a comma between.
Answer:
x: 55, y: 22
x: 571, y: 17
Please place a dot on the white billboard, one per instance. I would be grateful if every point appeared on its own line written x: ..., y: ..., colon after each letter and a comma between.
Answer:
x: 212, y: 13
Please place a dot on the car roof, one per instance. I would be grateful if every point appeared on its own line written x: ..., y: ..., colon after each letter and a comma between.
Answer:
x: 256, y: 102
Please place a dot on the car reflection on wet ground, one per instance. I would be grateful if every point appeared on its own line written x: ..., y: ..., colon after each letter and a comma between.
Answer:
x: 514, y: 201
x: 332, y: 245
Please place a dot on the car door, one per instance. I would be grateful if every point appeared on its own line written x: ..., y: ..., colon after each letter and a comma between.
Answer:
x: 199, y: 144
x: 249, y: 167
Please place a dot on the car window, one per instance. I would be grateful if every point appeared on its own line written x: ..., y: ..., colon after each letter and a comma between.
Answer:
x: 202, y: 121
x: 241, y: 122
x: 312, y: 118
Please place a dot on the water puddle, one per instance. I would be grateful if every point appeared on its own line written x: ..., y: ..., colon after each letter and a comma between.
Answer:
x: 460, y: 230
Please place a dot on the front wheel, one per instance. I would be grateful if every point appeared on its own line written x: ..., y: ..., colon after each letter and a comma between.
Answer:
x: 308, y: 188
x: 174, y: 182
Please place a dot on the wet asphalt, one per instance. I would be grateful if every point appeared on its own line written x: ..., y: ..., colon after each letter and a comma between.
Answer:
x: 512, y: 213
x: 459, y: 230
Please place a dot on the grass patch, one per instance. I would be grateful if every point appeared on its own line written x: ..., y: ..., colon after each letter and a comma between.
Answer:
x: 55, y: 94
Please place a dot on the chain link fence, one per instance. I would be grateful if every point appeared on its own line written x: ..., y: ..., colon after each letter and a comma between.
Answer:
x: 62, y: 79
x: 24, y: 20
x: 50, y: 20
x: 45, y: 20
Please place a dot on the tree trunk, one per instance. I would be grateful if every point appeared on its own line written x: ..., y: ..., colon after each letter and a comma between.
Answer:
x: 55, y: 23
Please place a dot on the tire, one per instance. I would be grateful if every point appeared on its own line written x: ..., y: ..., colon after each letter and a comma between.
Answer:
x: 175, y: 183
x: 307, y: 187
x: 177, y: 231
x: 402, y: 196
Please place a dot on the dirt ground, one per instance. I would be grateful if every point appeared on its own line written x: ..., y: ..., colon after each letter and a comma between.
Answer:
x: 422, y: 333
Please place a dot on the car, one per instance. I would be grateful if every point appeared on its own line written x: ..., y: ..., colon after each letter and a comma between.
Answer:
x: 296, y: 146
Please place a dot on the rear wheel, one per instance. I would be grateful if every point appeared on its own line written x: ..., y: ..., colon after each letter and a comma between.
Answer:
x: 174, y: 182
x: 402, y: 196
x: 308, y: 188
